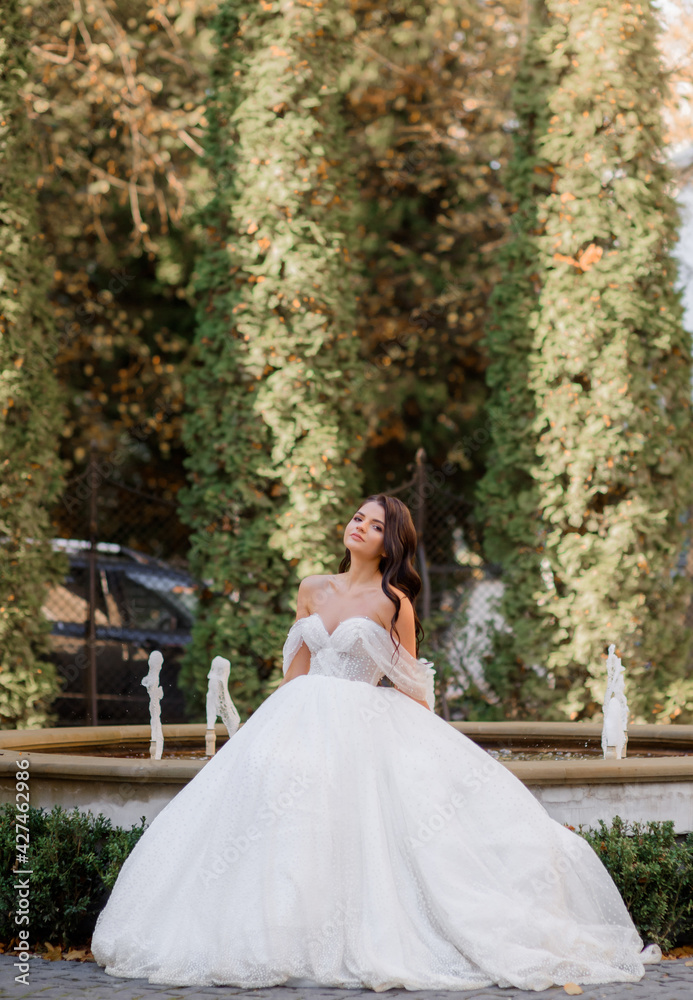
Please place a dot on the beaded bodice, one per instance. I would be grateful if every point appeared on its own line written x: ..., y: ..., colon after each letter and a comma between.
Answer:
x: 359, y: 649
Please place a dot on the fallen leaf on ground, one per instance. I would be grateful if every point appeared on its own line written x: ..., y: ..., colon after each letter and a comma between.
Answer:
x: 688, y: 963
x: 53, y: 952
x: 685, y: 949
x: 573, y: 989
x: 79, y: 955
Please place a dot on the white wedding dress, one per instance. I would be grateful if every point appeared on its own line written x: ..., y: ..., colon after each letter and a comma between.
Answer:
x: 346, y: 836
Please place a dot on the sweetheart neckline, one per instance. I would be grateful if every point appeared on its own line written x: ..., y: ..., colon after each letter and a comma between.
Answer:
x: 351, y: 618
x: 314, y: 614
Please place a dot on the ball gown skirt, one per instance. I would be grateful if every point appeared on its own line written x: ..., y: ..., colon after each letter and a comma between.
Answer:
x: 345, y: 836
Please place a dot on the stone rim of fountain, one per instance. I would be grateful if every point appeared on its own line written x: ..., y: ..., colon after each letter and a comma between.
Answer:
x: 29, y: 742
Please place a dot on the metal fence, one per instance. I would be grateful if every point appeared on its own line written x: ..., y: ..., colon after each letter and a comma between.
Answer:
x: 443, y: 557
x: 127, y: 592
x: 461, y: 593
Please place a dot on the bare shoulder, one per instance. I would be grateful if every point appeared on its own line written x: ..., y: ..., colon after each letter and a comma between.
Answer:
x: 386, y: 609
x: 308, y: 590
x: 309, y: 584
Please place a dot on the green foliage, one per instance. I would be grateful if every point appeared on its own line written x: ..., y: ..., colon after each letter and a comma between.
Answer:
x: 30, y: 406
x: 75, y: 859
x: 272, y: 428
x: 653, y: 871
x: 507, y: 498
x: 430, y: 649
x: 591, y: 472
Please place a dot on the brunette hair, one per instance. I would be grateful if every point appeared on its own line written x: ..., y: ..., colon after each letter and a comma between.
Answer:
x: 397, y: 566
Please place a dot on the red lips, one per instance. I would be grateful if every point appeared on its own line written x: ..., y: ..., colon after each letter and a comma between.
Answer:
x: 354, y: 535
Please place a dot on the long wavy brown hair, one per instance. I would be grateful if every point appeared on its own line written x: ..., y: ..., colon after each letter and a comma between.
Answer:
x: 397, y: 566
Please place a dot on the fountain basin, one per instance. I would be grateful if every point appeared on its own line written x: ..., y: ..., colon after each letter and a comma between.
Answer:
x: 573, y: 791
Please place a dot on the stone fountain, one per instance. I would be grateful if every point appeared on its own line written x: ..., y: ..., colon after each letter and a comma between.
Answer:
x: 655, y: 782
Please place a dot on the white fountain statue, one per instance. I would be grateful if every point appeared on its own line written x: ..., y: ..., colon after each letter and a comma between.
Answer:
x: 219, y: 703
x: 615, y: 728
x: 156, y: 693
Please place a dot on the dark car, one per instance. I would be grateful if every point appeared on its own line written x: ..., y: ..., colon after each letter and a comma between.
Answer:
x: 142, y: 604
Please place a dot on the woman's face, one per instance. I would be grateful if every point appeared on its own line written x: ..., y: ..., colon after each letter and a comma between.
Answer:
x: 365, y: 532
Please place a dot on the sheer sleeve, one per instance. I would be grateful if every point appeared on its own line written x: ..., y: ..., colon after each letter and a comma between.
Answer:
x: 292, y: 644
x: 415, y: 677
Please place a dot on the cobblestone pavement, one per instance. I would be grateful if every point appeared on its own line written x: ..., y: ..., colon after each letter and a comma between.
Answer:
x: 671, y: 980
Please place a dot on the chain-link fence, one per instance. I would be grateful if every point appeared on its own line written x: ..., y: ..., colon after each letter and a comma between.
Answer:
x: 441, y: 516
x: 461, y: 593
x: 459, y: 590
x: 127, y: 593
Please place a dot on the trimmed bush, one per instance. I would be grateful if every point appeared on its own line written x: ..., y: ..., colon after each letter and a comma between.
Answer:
x: 653, y: 871
x: 75, y: 859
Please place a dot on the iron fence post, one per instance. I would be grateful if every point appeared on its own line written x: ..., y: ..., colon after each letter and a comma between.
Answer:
x: 420, y: 521
x: 92, y: 714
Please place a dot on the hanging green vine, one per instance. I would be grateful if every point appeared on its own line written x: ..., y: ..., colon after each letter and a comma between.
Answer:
x: 586, y: 498
x: 30, y: 408
x: 273, y: 426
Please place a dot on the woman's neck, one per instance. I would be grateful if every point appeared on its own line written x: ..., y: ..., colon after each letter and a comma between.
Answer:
x: 362, y: 575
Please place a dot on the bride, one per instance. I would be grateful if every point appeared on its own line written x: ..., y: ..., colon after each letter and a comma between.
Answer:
x: 348, y: 836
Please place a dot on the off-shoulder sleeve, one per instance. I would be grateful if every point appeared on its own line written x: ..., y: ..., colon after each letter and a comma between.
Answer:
x: 292, y: 644
x: 414, y: 677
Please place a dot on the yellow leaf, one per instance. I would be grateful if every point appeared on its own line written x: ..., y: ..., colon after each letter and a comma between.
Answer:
x: 79, y: 955
x: 53, y: 952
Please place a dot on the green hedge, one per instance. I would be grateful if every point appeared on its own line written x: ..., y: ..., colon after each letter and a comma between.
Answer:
x: 653, y: 871
x: 588, y: 480
x: 76, y: 858
x: 274, y: 425
x: 31, y: 402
